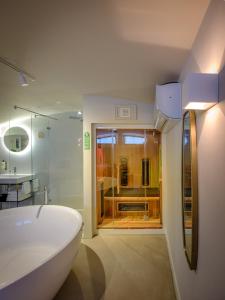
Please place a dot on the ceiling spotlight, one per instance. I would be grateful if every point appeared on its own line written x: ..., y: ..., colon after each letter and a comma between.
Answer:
x: 22, y: 79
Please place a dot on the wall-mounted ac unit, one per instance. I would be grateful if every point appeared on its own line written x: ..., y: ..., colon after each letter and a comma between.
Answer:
x: 168, y: 110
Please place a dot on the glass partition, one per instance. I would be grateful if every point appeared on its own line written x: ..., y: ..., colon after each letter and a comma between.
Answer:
x: 40, y: 158
x: 46, y: 155
x: 66, y: 161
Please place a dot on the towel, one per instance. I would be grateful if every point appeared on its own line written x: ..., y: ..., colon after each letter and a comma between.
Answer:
x: 3, y: 189
x: 26, y: 187
x: 35, y: 185
x: 12, y: 196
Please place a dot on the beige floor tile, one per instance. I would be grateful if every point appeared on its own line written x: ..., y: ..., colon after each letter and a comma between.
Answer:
x: 133, y: 267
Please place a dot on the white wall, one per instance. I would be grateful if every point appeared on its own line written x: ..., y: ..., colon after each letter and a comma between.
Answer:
x: 100, y: 110
x: 208, y: 281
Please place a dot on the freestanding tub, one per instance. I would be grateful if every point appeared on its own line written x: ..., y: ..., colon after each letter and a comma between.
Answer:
x: 37, y: 248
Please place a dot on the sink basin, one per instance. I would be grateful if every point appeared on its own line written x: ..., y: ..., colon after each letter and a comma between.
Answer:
x: 14, y: 179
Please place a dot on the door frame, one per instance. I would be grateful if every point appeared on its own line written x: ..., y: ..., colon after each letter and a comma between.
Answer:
x: 96, y: 126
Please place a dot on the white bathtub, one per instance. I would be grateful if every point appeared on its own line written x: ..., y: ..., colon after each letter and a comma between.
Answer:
x: 37, y: 248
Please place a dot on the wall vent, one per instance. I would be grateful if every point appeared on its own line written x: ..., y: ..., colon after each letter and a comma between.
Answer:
x: 126, y: 112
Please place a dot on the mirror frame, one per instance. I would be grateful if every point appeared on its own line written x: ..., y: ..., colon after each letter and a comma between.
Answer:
x: 194, y: 187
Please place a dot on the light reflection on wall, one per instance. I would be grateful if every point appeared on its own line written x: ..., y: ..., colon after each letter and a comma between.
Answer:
x: 212, y: 116
x: 208, y: 48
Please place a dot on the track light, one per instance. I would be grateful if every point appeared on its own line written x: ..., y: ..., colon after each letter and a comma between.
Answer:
x: 22, y: 79
x: 23, y: 75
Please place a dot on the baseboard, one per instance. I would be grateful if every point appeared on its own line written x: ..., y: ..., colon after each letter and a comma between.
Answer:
x: 129, y: 231
x: 176, y: 286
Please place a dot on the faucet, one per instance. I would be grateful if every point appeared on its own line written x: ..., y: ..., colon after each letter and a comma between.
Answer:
x: 45, y: 195
x: 45, y: 201
x: 14, y: 170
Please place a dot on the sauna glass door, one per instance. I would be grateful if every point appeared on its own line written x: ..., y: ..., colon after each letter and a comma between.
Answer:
x: 127, y: 178
x: 105, y: 176
x: 129, y: 201
x: 151, y: 178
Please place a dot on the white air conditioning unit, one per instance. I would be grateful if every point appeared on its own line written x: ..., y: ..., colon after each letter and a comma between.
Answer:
x: 168, y: 110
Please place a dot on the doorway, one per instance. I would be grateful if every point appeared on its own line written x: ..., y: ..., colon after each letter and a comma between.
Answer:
x: 128, y: 178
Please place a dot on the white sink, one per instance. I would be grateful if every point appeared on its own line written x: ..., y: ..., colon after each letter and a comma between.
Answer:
x: 15, y: 179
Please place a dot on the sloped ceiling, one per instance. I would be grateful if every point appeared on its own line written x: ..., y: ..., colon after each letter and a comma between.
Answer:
x: 119, y: 48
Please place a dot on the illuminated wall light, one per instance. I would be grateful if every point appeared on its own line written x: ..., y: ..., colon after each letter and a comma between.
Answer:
x: 3, y: 130
x: 201, y: 91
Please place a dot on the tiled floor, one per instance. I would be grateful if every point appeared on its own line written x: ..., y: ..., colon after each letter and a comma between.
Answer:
x: 134, y: 267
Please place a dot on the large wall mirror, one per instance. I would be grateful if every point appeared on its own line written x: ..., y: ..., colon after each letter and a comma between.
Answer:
x: 190, y: 189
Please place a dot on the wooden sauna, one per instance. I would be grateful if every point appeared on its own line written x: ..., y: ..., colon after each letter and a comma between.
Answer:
x: 128, y: 178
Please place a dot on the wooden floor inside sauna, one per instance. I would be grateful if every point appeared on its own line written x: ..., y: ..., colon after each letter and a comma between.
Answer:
x: 130, y: 222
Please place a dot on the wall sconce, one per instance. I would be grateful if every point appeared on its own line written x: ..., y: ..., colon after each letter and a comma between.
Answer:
x: 200, y: 91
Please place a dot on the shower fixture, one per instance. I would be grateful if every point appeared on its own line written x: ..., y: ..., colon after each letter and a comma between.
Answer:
x: 36, y: 114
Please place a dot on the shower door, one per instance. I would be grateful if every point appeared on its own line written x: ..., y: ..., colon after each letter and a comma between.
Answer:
x: 127, y: 178
x: 41, y: 127
x: 57, y: 158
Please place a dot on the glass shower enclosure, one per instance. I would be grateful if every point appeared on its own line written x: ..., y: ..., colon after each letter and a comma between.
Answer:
x: 128, y: 178
x: 46, y: 153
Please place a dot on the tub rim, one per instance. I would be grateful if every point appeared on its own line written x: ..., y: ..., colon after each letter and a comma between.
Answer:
x: 75, y: 212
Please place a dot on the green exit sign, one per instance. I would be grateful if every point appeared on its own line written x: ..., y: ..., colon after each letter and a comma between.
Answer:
x: 87, y: 143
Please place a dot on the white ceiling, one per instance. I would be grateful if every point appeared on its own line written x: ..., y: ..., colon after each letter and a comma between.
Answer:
x: 118, y: 48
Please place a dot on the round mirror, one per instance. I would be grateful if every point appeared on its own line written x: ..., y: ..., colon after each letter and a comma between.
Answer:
x: 16, y: 139
x: 190, y: 189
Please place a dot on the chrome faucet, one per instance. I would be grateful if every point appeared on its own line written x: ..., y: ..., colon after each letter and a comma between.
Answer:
x: 45, y: 201
x: 14, y: 170
x: 45, y: 195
